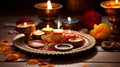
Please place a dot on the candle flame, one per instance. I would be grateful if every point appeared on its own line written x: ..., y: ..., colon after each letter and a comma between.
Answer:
x: 47, y: 26
x: 58, y: 26
x: 69, y: 19
x: 25, y: 24
x: 37, y: 30
x: 49, y: 6
x: 69, y: 31
x: 116, y: 1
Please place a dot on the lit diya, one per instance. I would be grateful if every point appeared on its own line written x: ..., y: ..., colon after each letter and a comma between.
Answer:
x: 23, y: 28
x: 70, y: 23
x: 47, y: 29
x: 37, y: 43
x: 58, y: 31
x: 37, y: 34
x: 26, y: 27
x: 57, y: 34
x: 69, y: 34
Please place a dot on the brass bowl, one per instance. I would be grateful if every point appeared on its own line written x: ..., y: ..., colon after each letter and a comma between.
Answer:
x: 113, y: 11
x: 48, y: 14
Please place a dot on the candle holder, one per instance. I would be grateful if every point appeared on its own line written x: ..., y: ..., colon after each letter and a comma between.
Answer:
x: 72, y: 25
x: 48, y: 16
x: 36, y: 35
x: 26, y: 30
x: 113, y: 11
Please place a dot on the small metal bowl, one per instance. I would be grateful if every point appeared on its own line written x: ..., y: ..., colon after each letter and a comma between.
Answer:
x: 37, y: 43
x: 63, y: 47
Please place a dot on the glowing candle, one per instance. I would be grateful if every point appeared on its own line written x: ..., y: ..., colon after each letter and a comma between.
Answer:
x: 24, y: 28
x: 49, y: 6
x: 58, y: 30
x: 22, y: 25
x: 69, y: 20
x: 37, y: 34
x: 48, y: 29
x: 116, y: 1
x: 69, y: 34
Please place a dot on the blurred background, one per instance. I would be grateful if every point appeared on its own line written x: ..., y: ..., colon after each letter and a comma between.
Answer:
x: 72, y: 7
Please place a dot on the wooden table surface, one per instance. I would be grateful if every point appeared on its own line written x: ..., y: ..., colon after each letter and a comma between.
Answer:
x: 96, y: 57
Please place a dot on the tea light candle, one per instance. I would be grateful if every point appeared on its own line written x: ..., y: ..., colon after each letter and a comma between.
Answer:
x: 70, y: 23
x: 69, y: 20
x: 37, y: 34
x: 58, y: 31
x: 22, y: 25
x: 23, y: 28
x: 69, y: 34
x: 48, y: 29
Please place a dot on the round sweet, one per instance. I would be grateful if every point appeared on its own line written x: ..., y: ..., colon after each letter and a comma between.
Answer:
x: 36, y: 43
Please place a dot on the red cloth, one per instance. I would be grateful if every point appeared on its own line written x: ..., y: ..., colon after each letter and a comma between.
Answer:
x: 90, y: 18
x: 22, y: 20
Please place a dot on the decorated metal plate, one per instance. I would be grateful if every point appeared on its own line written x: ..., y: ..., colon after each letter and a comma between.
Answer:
x: 89, y: 43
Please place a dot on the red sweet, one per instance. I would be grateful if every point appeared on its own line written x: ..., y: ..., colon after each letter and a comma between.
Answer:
x: 22, y: 20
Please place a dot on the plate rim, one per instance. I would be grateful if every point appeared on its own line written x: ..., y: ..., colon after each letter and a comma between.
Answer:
x: 27, y: 48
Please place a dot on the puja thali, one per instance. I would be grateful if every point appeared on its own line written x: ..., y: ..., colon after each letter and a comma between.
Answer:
x: 19, y: 43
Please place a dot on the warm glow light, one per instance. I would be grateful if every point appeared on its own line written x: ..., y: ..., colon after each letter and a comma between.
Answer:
x: 69, y: 19
x: 38, y: 31
x: 69, y: 31
x: 25, y: 24
x: 47, y: 26
x: 116, y: 1
x: 49, y: 6
x: 58, y: 26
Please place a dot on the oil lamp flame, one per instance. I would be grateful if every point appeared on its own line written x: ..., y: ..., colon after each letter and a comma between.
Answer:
x: 38, y: 31
x: 69, y: 19
x: 69, y: 31
x: 25, y: 24
x: 49, y: 6
x: 58, y: 26
x: 116, y: 1
x: 47, y: 26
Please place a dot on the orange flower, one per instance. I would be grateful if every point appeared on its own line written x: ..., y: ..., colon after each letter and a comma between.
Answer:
x: 12, y: 56
x: 49, y: 65
x: 101, y: 31
x: 6, y: 40
x: 33, y: 61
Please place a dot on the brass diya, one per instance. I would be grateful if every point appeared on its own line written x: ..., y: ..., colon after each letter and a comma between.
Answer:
x: 26, y: 28
x: 112, y: 8
x: 48, y: 16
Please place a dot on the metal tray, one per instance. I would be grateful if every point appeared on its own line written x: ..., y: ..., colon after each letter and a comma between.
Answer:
x: 19, y: 43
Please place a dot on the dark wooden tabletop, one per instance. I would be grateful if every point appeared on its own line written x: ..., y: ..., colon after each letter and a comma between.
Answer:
x: 96, y: 57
